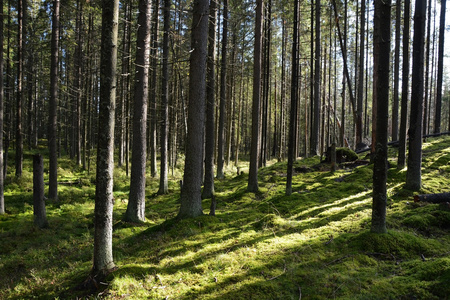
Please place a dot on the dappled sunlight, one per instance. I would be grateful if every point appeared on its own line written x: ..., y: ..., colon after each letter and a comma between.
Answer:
x: 307, y: 212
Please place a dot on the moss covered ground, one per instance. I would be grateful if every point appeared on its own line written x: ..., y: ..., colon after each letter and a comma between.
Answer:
x: 314, y: 244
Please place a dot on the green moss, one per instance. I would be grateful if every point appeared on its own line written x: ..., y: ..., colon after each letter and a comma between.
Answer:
x: 261, y: 245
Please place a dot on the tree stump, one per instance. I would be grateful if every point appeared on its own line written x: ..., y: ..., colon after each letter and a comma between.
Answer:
x: 40, y: 217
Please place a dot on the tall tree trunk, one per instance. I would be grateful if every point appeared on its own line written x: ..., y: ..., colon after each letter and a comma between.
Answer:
x: 440, y: 69
x: 382, y: 44
x: 398, y: 10
x: 7, y: 113
x: 136, y: 203
x: 153, y: 88
x: 255, y: 137
x: 53, y: 106
x: 427, y: 93
x: 208, y: 185
x: 405, y: 90
x: 104, y: 201
x: 164, y: 135
x: 77, y: 84
x: 315, y: 132
x: 359, y: 110
x: 294, y: 99
x: 124, y: 79
x: 223, y: 94
x: 414, y: 173
x: 19, y: 92
x: 2, y: 179
x: 191, y: 202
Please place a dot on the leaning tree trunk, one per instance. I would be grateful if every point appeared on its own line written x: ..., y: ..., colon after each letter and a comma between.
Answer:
x: 255, y: 143
x: 136, y: 203
x: 53, y: 106
x: 104, y: 201
x: 208, y: 185
x: 440, y: 69
x: 414, y: 172
x: 191, y: 201
x: 382, y: 40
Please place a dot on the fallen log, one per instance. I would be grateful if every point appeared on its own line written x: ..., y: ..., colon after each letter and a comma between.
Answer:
x: 433, y: 198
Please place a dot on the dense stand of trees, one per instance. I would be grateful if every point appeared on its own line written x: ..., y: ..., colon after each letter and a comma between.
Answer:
x: 293, y: 78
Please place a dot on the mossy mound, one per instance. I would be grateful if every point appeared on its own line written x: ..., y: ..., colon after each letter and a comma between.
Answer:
x: 394, y: 244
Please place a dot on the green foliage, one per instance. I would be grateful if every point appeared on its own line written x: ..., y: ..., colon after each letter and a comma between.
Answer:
x: 259, y: 246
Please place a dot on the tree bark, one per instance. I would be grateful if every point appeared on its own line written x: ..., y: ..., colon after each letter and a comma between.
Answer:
x: 104, y: 201
x: 191, y: 201
x: 428, y: 56
x: 440, y: 70
x: 19, y: 92
x: 382, y: 39
x: 255, y: 138
x: 208, y: 185
x: 433, y: 198
x: 359, y: 109
x: 405, y: 88
x: 223, y: 94
x: 395, y: 102
x: 315, y: 131
x: 153, y: 88
x: 53, y: 106
x: 414, y: 173
x: 40, y: 217
x: 2, y: 179
x: 294, y: 100
x: 136, y: 203
x: 164, y: 135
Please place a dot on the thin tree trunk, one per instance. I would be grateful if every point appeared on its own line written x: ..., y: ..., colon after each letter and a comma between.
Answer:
x: 359, y: 110
x: 164, y: 135
x: 77, y: 85
x: 427, y: 96
x: 255, y: 144
x: 104, y: 201
x: 53, y: 106
x: 123, y: 82
x: 153, y: 88
x: 19, y: 93
x: 405, y: 94
x: 208, y: 185
x: 414, y: 173
x: 440, y: 69
x: 191, y: 202
x: 294, y: 99
x: 223, y: 94
x: 315, y: 132
x: 136, y: 203
x: 2, y: 179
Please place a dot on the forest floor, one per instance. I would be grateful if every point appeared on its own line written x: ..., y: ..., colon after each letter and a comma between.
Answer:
x: 314, y: 244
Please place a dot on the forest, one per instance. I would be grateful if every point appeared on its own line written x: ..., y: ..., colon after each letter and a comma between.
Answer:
x: 220, y: 149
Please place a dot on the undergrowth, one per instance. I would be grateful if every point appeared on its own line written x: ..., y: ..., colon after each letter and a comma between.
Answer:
x: 314, y: 244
